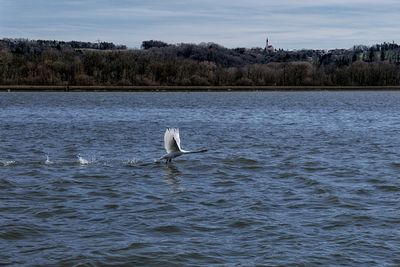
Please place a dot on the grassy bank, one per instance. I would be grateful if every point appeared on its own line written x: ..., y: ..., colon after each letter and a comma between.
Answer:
x: 33, y: 88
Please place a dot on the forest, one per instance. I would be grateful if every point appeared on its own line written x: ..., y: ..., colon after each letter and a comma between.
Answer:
x: 156, y: 63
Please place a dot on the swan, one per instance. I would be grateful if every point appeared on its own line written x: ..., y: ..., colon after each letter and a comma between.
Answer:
x: 172, y: 144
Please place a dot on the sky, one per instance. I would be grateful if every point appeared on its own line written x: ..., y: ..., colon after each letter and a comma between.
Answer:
x: 288, y: 24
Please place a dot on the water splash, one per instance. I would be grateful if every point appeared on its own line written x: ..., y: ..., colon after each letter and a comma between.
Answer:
x: 132, y: 162
x: 83, y: 161
x: 6, y: 163
x: 137, y: 163
x: 48, y: 161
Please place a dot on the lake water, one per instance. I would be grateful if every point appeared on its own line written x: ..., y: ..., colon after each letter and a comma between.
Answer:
x: 290, y: 179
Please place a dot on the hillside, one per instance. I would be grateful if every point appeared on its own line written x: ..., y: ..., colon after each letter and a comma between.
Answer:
x: 47, y: 62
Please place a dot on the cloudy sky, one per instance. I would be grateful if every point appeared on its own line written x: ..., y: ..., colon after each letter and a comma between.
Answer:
x: 289, y: 24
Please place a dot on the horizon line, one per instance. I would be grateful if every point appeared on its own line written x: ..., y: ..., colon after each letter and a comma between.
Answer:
x: 193, y: 43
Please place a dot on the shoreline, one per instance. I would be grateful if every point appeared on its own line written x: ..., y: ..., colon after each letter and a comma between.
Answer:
x: 84, y: 88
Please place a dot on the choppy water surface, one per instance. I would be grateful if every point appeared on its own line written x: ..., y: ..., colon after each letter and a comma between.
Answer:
x: 305, y: 178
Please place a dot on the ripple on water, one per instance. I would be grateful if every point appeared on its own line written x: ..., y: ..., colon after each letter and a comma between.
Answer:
x: 374, y: 181
x: 260, y: 206
x: 313, y: 166
x: 205, y: 228
x: 156, y: 208
x: 351, y: 220
x: 58, y: 211
x: 90, y: 176
x: 111, y: 206
x: 384, y: 185
x: 388, y: 188
x: 105, y: 192
x: 363, y: 192
x: 219, y: 202
x: 6, y: 184
x: 277, y: 193
x: 395, y: 165
x: 287, y: 174
x: 167, y: 229
x: 131, y: 246
x: 242, y: 223
x: 308, y: 181
x: 81, y: 261
x: 20, y: 231
x: 224, y: 183
x: 242, y: 162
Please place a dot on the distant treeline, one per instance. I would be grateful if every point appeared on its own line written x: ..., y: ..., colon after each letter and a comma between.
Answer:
x: 44, y: 62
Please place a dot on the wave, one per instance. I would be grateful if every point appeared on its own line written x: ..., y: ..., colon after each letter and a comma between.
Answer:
x: 6, y: 184
x: 241, y: 160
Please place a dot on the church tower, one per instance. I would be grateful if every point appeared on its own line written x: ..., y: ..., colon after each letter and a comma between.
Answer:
x: 268, y: 47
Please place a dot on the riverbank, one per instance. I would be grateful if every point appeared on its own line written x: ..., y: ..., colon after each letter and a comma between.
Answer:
x: 77, y: 88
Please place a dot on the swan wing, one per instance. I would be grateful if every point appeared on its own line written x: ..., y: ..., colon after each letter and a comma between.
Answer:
x: 172, y: 141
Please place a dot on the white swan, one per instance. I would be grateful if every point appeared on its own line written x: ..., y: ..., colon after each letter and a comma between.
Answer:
x: 172, y: 144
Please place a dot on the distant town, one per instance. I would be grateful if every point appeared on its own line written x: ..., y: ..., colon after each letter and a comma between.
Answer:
x: 157, y: 63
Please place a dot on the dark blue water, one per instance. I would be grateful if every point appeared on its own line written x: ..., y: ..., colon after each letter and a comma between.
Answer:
x: 290, y: 179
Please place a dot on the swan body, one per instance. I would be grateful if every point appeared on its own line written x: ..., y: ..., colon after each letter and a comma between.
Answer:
x: 172, y: 144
